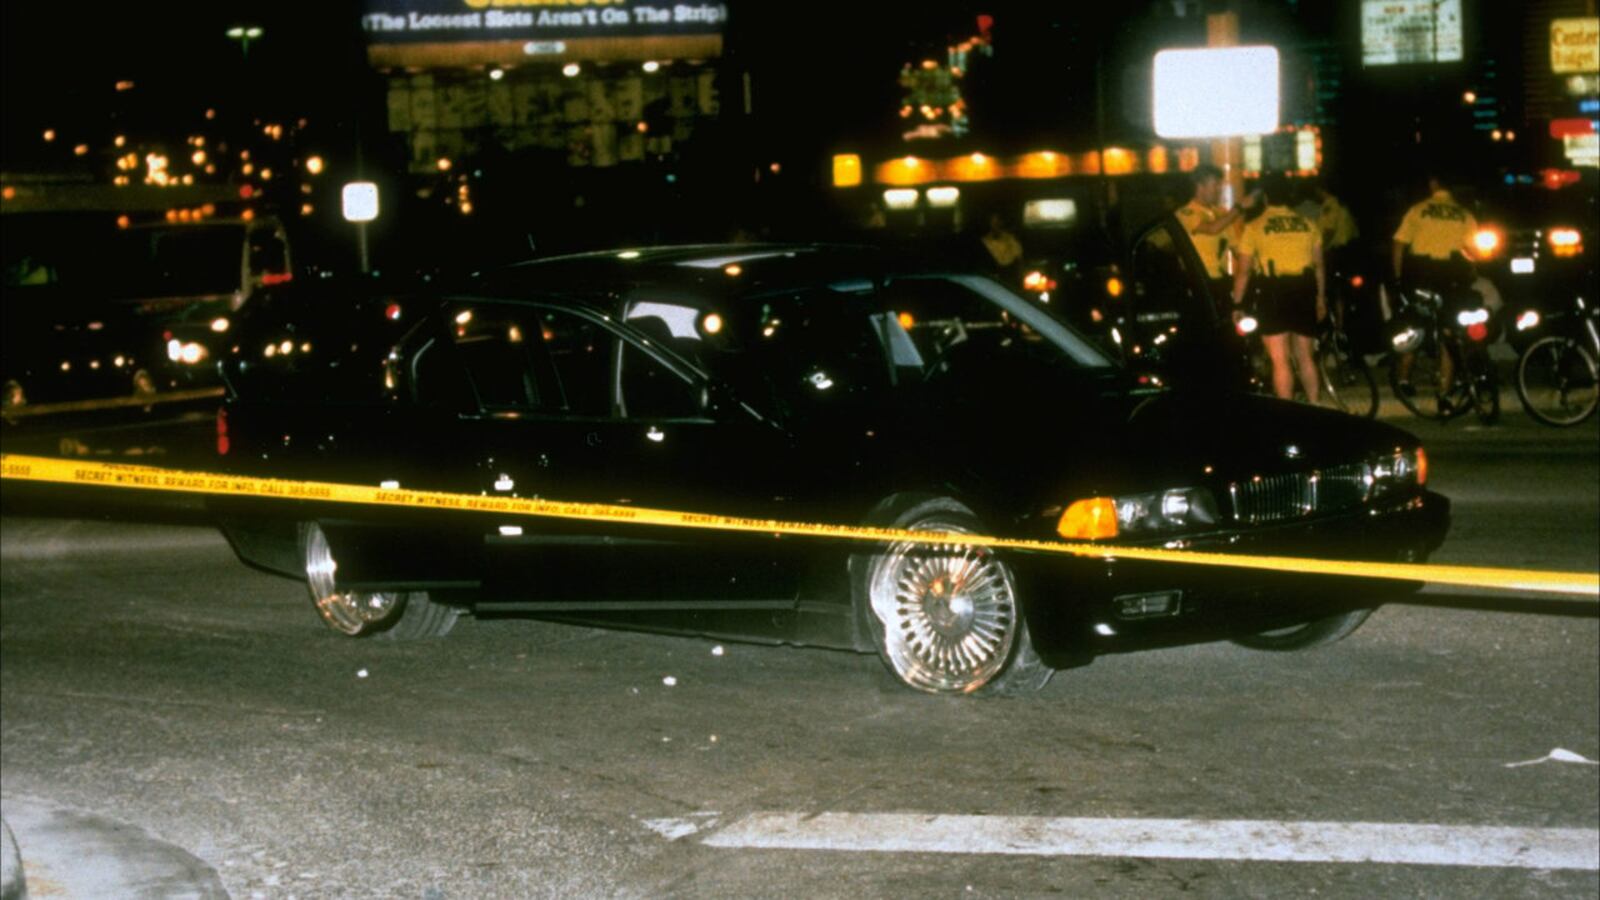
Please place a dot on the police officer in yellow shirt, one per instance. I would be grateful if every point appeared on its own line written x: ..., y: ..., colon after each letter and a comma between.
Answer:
x: 1286, y: 248
x: 1207, y: 226
x: 1430, y: 253
x: 1339, y: 229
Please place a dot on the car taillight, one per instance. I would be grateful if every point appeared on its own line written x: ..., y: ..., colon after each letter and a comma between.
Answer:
x: 223, y: 444
x: 1566, y: 241
x: 1487, y: 242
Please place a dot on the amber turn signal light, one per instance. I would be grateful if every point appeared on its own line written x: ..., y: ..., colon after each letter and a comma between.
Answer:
x: 1422, y: 467
x: 1090, y: 519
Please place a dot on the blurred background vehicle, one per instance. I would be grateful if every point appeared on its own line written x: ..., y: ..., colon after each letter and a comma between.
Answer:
x: 100, y: 309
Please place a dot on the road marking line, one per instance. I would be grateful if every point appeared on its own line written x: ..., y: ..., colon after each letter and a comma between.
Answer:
x: 1248, y: 840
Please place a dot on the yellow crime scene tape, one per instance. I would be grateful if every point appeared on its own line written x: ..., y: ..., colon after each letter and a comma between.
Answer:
x: 116, y: 475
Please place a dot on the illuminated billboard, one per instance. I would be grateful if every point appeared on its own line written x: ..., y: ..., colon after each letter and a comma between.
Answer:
x: 1575, y: 45
x: 1216, y: 92
x: 1400, y: 32
x: 441, y: 33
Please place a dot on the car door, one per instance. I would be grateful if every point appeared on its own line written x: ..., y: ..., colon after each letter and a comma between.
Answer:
x: 526, y: 437
x: 1171, y: 322
x: 674, y: 441
x: 571, y: 407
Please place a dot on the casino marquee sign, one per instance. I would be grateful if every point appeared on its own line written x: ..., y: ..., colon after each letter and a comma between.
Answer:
x: 447, y: 33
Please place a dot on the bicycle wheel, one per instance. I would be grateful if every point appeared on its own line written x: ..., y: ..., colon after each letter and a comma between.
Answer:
x: 1346, y: 380
x: 1483, y: 387
x: 1558, y: 381
x: 1423, y: 381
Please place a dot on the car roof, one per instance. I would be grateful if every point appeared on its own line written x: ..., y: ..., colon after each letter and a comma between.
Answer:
x: 711, y: 270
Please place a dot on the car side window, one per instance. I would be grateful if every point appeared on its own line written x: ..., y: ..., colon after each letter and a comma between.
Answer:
x: 579, y: 352
x: 492, y: 345
x: 1166, y: 288
x: 650, y: 390
x: 939, y: 314
x: 437, y: 379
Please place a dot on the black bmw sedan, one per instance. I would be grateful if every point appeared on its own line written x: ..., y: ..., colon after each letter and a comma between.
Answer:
x: 803, y: 383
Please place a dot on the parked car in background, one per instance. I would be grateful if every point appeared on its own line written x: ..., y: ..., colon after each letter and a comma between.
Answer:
x: 96, y: 311
x: 1538, y: 248
x: 795, y: 382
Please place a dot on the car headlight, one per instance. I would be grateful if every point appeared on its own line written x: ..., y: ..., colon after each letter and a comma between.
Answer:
x: 189, y: 352
x: 1159, y: 511
x: 1137, y: 515
x: 1398, y: 471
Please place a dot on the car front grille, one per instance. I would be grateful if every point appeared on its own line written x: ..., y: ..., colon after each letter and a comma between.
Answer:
x: 1280, y: 498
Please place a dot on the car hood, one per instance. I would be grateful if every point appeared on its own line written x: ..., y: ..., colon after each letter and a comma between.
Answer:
x: 1109, y: 440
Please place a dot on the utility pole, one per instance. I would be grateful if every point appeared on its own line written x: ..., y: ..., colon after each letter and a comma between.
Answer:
x: 1222, y: 30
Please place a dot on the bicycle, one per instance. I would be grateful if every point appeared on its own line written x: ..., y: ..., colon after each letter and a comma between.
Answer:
x: 1346, y: 383
x: 1558, y: 376
x: 1422, y: 331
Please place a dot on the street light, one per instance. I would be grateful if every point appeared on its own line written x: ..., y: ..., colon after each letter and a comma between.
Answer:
x: 244, y: 34
x: 360, y: 205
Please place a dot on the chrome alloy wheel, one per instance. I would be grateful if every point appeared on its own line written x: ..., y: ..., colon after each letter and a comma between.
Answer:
x: 349, y: 612
x: 948, y: 612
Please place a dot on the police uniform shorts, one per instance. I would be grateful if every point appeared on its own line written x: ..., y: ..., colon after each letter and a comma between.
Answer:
x: 1441, y: 276
x: 1288, y: 303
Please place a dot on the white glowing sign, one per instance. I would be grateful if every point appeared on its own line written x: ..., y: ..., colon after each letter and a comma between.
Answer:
x: 1219, y: 92
x: 1396, y: 32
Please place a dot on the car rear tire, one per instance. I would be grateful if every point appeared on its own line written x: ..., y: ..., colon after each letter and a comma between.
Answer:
x: 1314, y: 633
x: 389, y: 615
x: 945, y: 618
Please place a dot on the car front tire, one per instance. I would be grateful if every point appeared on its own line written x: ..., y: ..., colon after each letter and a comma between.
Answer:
x: 1315, y: 633
x: 945, y: 618
x: 390, y: 615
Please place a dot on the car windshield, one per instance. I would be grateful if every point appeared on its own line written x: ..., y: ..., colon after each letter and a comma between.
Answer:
x: 787, y: 351
x: 171, y: 262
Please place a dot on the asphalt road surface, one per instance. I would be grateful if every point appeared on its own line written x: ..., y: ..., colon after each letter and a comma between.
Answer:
x: 150, y: 682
